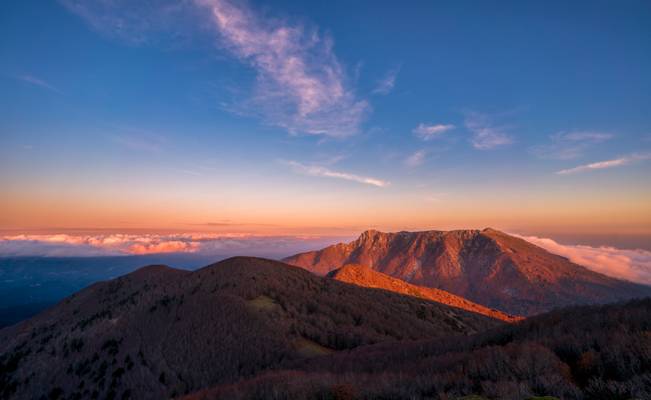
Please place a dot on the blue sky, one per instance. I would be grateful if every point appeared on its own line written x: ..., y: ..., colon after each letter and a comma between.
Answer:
x: 329, y: 117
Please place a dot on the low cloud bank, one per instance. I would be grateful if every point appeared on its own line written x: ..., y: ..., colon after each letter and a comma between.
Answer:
x: 64, y: 245
x: 632, y: 265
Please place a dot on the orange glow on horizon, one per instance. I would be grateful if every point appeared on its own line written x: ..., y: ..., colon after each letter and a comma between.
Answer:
x: 331, y: 213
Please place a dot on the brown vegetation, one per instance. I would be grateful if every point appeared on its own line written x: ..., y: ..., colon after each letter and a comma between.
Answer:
x: 582, y: 353
x: 160, y: 332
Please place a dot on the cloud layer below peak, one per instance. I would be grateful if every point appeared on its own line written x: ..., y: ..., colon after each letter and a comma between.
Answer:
x: 121, y: 244
x: 632, y: 265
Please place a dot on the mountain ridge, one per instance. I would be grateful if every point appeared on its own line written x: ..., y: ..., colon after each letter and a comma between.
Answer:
x: 486, y: 266
x: 367, y: 277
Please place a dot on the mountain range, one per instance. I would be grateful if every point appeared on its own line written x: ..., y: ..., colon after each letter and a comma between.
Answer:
x: 487, y: 266
x: 408, y: 315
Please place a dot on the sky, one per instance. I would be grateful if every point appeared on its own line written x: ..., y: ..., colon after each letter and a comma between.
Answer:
x: 311, y: 119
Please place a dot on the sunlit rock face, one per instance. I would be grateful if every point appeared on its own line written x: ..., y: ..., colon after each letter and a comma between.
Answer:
x: 485, y: 266
x: 365, y: 276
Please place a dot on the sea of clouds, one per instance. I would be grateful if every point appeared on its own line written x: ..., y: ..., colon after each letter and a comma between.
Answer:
x: 629, y: 264
x: 116, y: 244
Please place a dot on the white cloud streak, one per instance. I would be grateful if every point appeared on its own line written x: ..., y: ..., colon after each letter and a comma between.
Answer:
x: 301, y: 86
x: 431, y: 131
x: 486, y: 135
x: 415, y: 159
x: 316, y: 170
x: 386, y: 85
x: 617, y: 162
x: 32, y: 80
x: 632, y: 265
x: 569, y: 145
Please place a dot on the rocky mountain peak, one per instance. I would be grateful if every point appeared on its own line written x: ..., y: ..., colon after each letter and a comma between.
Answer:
x: 486, y: 266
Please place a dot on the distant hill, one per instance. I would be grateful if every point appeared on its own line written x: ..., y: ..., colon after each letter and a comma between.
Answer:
x: 580, y: 353
x: 28, y: 285
x: 159, y: 332
x: 487, y: 267
x: 364, y: 276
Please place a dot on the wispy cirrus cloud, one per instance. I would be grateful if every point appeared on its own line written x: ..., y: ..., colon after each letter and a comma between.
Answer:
x: 416, y: 158
x: 165, y: 22
x: 329, y: 158
x: 320, y: 171
x: 569, y: 145
x: 431, y: 131
x: 486, y: 134
x: 300, y: 84
x: 34, y: 81
x: 386, y: 84
x: 616, y: 162
x: 632, y: 265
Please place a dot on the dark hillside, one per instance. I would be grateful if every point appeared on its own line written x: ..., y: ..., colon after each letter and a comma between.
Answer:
x: 160, y: 332
x: 581, y: 353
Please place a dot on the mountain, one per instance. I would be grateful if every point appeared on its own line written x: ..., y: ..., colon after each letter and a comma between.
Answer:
x: 581, y: 353
x: 363, y: 276
x: 487, y: 267
x: 160, y: 332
